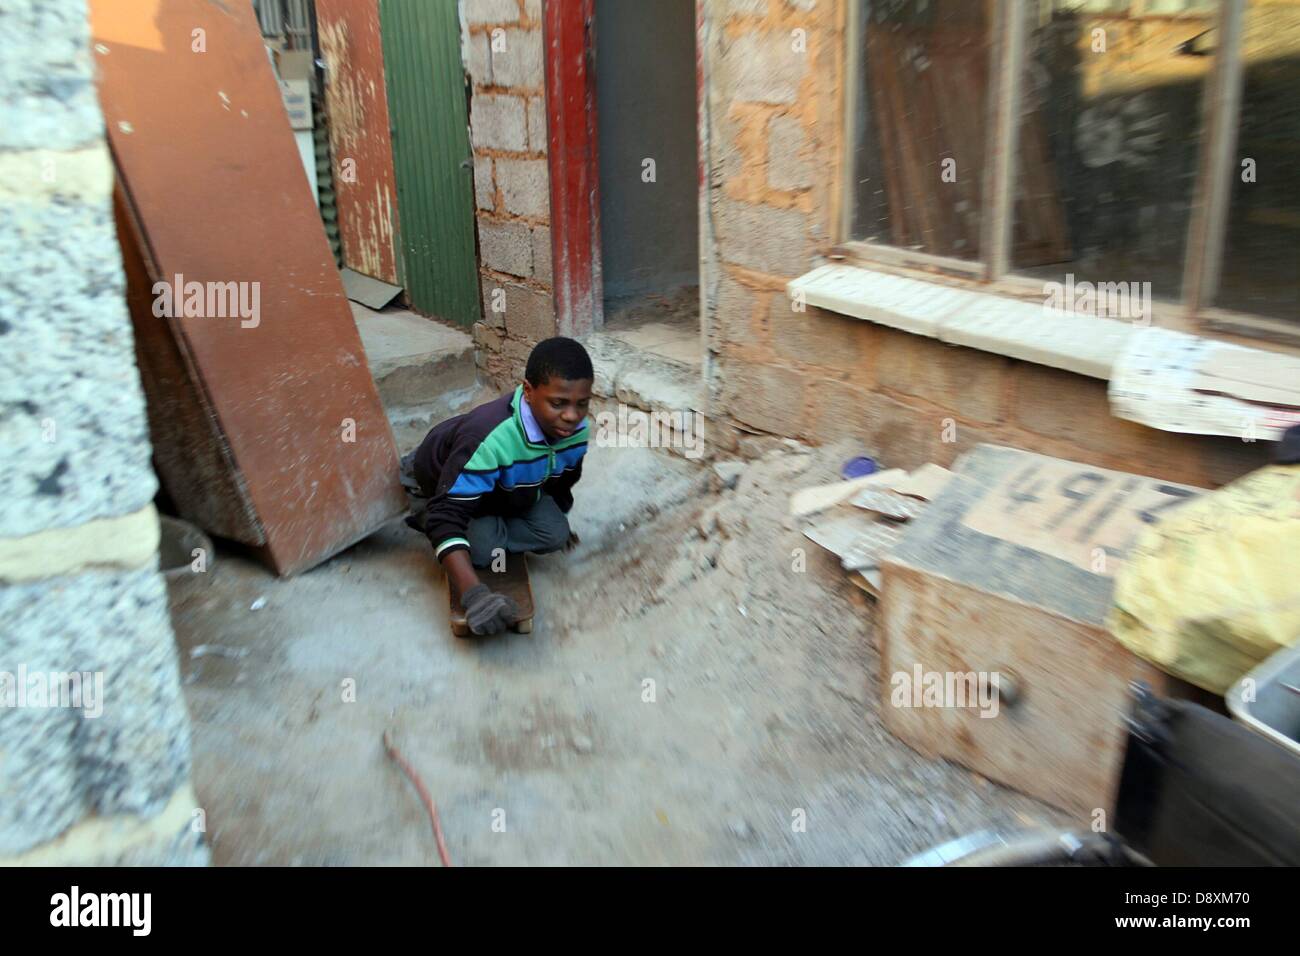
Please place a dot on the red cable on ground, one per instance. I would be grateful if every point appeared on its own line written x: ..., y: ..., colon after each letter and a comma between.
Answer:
x: 429, y: 806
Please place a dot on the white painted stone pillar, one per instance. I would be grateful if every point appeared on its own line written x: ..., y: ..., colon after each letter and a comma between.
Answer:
x: 102, y: 774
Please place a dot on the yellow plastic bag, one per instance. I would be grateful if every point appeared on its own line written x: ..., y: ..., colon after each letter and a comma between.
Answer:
x: 1214, y: 588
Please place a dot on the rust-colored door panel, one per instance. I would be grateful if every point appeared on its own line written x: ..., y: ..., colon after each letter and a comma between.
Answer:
x: 191, y: 455
x: 212, y: 178
x: 362, y: 147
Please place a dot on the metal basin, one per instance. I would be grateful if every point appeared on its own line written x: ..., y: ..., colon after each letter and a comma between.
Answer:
x: 1275, y: 711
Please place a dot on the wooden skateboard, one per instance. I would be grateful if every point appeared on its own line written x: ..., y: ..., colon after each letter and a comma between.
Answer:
x: 512, y: 582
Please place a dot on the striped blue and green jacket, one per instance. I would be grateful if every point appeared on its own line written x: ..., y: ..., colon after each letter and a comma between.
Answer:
x: 492, y: 460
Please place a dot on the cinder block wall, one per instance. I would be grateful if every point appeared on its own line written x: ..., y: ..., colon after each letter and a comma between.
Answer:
x: 774, y: 72
x: 79, y: 586
x: 503, y: 52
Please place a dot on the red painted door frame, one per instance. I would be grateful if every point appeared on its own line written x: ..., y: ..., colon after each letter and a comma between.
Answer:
x: 574, y: 164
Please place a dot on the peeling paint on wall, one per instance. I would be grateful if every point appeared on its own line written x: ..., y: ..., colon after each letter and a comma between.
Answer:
x: 356, y: 102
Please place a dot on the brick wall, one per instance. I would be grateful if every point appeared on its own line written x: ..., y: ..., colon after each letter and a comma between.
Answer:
x: 503, y: 53
x: 771, y: 145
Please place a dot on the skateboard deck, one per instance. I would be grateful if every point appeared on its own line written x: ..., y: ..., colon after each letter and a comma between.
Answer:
x: 512, y: 582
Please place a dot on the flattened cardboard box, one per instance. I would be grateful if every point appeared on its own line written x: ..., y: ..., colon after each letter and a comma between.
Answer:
x: 995, y: 599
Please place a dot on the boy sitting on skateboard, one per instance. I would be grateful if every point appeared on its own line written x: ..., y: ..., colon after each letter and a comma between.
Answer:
x: 499, y: 478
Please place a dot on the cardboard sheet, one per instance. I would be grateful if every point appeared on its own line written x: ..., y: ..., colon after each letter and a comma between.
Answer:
x: 868, y: 548
x: 1084, y: 515
x: 837, y: 532
x: 808, y: 501
x: 926, y: 483
x: 887, y: 503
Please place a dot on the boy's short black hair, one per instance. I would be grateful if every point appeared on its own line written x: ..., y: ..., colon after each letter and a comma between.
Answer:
x: 558, y: 358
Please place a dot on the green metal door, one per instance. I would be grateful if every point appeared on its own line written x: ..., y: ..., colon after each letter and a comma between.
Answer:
x: 431, y: 156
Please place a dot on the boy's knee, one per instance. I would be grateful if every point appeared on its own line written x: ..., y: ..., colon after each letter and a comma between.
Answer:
x: 550, y: 524
x: 486, y: 537
x: 555, y: 535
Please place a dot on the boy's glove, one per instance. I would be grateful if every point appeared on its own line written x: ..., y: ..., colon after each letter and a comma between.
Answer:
x: 487, y: 612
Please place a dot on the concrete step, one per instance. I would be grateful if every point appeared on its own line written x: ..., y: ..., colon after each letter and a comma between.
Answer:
x: 415, y: 361
x: 663, y: 325
x: 412, y: 422
x: 643, y: 379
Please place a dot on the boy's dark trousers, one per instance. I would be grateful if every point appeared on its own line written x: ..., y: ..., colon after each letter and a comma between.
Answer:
x: 540, y: 530
x: 543, y: 528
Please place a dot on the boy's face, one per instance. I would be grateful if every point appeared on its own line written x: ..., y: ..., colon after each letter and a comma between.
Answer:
x: 559, y: 404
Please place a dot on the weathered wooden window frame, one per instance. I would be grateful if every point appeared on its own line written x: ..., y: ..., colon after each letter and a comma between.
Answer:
x: 1220, y: 115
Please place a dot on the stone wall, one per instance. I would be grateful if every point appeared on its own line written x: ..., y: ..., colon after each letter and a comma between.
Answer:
x: 503, y: 53
x: 79, y: 586
x: 774, y: 71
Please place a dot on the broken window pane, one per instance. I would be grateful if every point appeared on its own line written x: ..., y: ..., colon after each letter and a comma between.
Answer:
x: 1109, y: 139
x: 922, y: 111
x: 1261, y: 262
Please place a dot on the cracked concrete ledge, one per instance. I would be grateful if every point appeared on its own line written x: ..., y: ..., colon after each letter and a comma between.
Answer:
x: 643, y: 380
x: 1029, y: 331
x: 128, y: 542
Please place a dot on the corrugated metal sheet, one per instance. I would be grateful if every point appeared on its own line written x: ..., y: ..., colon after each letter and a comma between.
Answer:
x: 365, y: 188
x: 431, y: 153
x: 326, y: 197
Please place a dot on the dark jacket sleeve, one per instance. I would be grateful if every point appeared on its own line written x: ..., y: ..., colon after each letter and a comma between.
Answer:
x: 561, y: 487
x: 451, y: 507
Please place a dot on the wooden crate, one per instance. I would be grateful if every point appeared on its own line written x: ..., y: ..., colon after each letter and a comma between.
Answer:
x: 1009, y: 573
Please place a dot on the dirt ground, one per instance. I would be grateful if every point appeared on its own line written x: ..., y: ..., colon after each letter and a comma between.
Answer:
x: 545, y: 748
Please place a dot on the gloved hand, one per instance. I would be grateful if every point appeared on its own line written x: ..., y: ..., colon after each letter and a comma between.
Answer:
x: 488, y: 612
